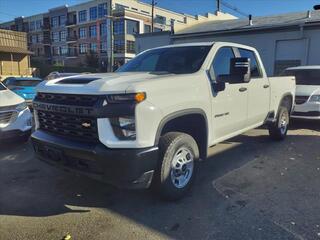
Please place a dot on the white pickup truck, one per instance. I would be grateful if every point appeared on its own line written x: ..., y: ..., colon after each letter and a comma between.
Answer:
x: 149, y: 123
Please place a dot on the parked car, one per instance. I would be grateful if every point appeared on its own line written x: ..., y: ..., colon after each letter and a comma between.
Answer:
x: 55, y: 75
x: 152, y: 121
x: 15, y: 117
x: 307, y: 103
x: 23, y: 86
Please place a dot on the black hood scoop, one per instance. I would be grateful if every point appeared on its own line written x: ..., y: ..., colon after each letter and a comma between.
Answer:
x: 77, y: 80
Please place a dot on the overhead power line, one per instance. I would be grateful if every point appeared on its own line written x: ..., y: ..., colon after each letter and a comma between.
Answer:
x: 234, y: 8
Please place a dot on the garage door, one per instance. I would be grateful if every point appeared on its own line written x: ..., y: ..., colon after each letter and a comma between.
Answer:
x: 290, y: 53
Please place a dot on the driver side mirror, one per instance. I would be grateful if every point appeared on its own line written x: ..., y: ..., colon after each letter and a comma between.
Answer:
x: 240, y: 69
x: 219, y: 86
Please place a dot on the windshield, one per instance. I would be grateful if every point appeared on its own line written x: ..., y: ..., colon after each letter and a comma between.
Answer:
x: 24, y: 83
x: 2, y: 87
x: 178, y: 60
x: 305, y: 76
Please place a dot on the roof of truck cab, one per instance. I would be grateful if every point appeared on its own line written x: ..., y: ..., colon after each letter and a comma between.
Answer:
x: 311, y: 67
x: 196, y: 44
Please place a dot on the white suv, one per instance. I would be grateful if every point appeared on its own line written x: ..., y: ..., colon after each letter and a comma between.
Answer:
x: 307, y: 93
x: 15, y: 116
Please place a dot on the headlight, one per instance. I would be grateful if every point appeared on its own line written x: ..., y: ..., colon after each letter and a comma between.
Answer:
x: 124, y: 127
x: 22, y: 106
x: 126, y: 98
x: 315, y: 98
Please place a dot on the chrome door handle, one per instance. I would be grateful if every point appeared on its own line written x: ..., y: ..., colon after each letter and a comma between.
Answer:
x: 243, y: 89
x: 266, y: 86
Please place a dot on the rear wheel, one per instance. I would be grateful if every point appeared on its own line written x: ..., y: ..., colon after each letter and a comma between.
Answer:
x: 278, y: 130
x: 179, y: 154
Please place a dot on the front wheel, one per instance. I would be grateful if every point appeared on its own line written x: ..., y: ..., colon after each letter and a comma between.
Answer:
x: 179, y: 154
x: 278, y: 130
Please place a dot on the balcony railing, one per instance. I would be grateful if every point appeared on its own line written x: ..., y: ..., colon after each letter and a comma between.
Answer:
x: 72, y: 54
x: 46, y: 41
x: 45, y: 27
x: 72, y: 38
x: 71, y: 22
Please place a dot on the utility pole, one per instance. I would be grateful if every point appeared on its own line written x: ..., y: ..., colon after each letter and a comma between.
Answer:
x: 218, y: 6
x: 111, y: 54
x: 152, y: 16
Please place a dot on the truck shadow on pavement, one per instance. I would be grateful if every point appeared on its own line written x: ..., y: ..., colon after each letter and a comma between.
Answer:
x: 30, y: 188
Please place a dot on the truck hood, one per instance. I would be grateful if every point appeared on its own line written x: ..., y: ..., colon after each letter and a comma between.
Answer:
x: 98, y: 83
x: 307, y: 90
x: 9, y: 98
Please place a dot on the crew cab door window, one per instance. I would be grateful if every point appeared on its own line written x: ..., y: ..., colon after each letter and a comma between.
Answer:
x: 229, y: 107
x: 254, y: 66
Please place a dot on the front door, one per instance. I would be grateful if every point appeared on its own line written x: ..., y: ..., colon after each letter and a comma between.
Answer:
x: 229, y: 107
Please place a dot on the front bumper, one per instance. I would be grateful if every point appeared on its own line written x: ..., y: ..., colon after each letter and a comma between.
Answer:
x: 13, y: 135
x: 128, y: 168
x: 312, y: 115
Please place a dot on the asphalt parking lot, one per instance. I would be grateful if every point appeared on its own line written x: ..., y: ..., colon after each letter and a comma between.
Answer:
x: 249, y: 188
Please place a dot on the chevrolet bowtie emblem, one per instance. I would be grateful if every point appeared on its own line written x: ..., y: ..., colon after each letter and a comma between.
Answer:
x: 86, y: 125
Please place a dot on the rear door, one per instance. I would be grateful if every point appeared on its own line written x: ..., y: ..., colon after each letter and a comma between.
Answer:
x: 258, y: 90
x: 229, y: 107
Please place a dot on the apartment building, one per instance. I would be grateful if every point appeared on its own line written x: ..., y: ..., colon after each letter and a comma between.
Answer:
x: 100, y: 29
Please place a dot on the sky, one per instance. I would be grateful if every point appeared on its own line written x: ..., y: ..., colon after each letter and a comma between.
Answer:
x: 14, y: 8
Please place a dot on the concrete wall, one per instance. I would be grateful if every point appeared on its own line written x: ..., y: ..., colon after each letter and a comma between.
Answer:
x: 273, y: 45
x: 147, y: 41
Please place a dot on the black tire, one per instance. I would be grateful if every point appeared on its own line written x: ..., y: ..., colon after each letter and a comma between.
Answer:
x: 278, y: 130
x: 171, y: 145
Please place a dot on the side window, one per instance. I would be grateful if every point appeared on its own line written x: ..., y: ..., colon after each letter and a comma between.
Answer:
x: 221, y: 63
x: 255, y: 68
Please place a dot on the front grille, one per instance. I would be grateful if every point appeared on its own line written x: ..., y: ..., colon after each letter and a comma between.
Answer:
x: 301, y: 99
x: 81, y: 128
x: 5, y: 117
x: 67, y: 99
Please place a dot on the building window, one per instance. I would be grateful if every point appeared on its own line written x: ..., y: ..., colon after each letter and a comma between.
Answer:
x: 119, y: 46
x: 83, y: 48
x: 54, y: 21
x: 145, y: 12
x: 158, y: 29
x: 32, y: 26
x: 34, y: 39
x: 83, y: 16
x: 82, y: 32
x: 63, y: 36
x: 131, y: 47
x: 118, y: 27
x: 38, y: 24
x: 160, y: 19
x: 132, y: 27
x: 102, y: 10
x: 103, y: 29
x: 93, y: 31
x: 93, y: 48
x: 62, y: 20
x: 40, y: 38
x: 93, y: 13
x: 103, y: 47
x: 64, y: 50
x: 55, y: 36
x: 56, y: 51
x: 147, y: 28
